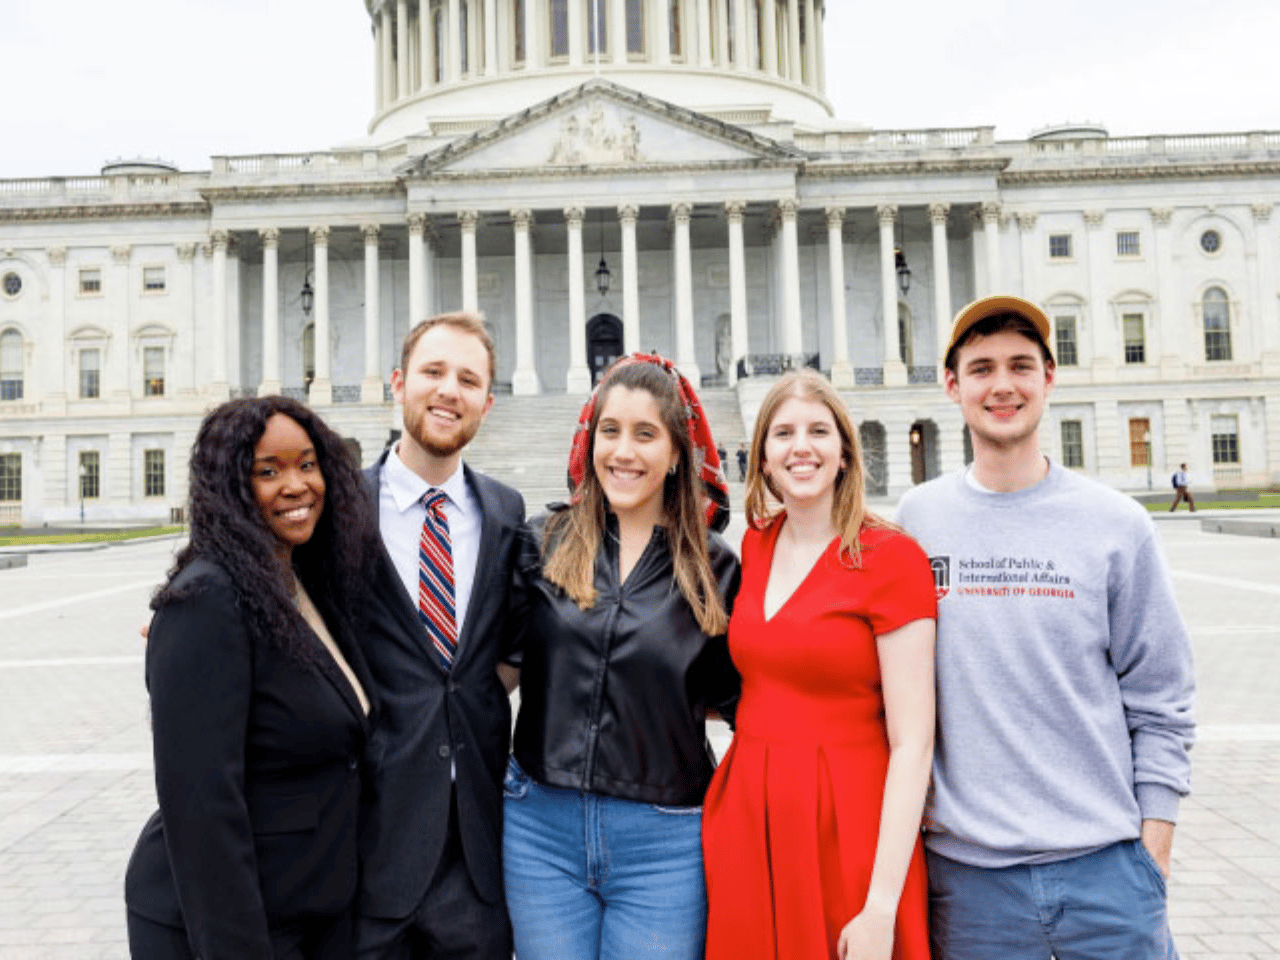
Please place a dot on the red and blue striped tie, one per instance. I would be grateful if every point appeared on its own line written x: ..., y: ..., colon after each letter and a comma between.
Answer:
x: 435, y: 579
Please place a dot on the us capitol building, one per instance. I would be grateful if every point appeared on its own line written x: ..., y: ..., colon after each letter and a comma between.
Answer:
x: 600, y: 176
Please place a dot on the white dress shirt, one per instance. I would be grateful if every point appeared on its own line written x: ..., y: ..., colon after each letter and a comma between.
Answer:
x: 400, y: 518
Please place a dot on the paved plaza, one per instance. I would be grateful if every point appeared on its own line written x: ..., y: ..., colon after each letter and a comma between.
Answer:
x: 75, y: 762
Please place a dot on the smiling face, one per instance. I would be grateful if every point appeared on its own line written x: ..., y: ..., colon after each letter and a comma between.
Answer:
x: 287, y: 482
x: 803, y: 453
x: 444, y: 389
x: 1001, y: 383
x: 632, y: 453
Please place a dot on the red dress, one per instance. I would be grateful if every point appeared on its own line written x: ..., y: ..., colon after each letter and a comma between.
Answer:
x: 792, y: 815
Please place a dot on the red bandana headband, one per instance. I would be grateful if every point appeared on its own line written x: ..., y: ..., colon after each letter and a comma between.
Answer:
x: 706, y: 458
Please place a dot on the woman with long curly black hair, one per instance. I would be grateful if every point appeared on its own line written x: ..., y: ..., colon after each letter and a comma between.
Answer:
x: 259, y: 699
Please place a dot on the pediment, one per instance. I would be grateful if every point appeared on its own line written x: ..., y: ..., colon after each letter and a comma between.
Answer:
x: 602, y: 125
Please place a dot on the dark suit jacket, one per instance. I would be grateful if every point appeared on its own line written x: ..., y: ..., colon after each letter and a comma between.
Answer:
x: 257, y: 773
x: 430, y: 719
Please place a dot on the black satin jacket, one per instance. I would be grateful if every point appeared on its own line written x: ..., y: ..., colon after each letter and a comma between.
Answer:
x: 614, y: 699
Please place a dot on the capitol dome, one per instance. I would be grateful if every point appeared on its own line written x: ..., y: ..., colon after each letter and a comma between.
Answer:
x: 448, y: 67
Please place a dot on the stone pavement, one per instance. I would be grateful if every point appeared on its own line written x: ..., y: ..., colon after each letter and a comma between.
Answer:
x: 76, y: 785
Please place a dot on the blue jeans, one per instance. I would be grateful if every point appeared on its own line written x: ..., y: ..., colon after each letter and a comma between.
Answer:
x: 597, y: 878
x: 1105, y: 905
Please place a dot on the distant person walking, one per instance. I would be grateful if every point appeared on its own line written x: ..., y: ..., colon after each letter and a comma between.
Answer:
x: 1183, y: 490
x: 742, y: 463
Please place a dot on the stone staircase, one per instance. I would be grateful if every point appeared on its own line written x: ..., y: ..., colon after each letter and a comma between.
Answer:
x: 525, y: 442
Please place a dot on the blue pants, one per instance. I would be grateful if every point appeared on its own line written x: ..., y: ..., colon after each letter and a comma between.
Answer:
x: 597, y: 878
x: 1105, y: 905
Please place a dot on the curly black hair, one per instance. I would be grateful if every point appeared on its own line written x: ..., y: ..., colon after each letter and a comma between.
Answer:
x: 227, y: 526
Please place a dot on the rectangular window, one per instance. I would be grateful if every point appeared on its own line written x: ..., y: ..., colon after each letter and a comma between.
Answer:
x: 1072, y: 443
x: 1059, y: 246
x: 153, y: 473
x: 1224, y: 431
x: 90, y: 371
x: 1139, y: 441
x: 1065, y: 350
x: 153, y: 280
x: 90, y: 475
x: 11, y: 366
x: 1135, y: 343
x: 676, y: 16
x: 10, y: 477
x: 635, y: 26
x: 464, y: 38
x: 90, y: 280
x: 559, y: 12
x: 1128, y: 243
x: 153, y: 371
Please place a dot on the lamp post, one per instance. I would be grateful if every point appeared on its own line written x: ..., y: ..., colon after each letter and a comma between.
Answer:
x: 1146, y: 439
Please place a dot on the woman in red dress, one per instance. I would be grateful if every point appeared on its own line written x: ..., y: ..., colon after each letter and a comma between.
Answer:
x: 811, y: 826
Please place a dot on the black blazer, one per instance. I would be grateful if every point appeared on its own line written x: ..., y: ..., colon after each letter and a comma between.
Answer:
x: 430, y: 719
x: 258, y: 776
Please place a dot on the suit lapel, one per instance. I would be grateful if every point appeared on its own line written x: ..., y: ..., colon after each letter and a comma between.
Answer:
x: 491, y: 533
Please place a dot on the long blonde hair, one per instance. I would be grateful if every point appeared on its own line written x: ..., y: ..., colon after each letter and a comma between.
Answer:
x: 573, y: 537
x: 849, y: 511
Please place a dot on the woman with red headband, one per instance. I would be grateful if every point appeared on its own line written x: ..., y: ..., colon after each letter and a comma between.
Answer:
x: 624, y: 596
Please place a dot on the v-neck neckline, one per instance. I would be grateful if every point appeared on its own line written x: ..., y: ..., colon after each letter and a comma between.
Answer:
x: 766, y: 616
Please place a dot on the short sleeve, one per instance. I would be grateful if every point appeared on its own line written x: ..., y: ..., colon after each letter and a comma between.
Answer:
x: 901, y: 581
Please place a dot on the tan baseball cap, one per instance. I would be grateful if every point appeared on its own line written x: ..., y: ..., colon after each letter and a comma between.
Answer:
x: 980, y: 310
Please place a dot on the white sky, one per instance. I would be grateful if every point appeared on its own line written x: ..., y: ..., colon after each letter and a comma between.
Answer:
x: 92, y: 80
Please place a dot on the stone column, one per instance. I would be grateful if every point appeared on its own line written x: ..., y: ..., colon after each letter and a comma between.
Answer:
x: 417, y: 269
x: 617, y: 30
x: 117, y: 376
x: 185, y: 299
x: 219, y: 386
x: 662, y: 32
x: 386, y: 57
x: 532, y: 37
x: 627, y: 216
x: 491, y: 37
x: 820, y: 38
x: 577, y: 39
x: 720, y: 10
x: 810, y: 52
x: 371, y: 385
x: 379, y: 92
x: 402, y: 49
x: 739, y: 327
x: 792, y: 328
x: 453, y: 42
x: 704, y: 14
x: 895, y: 371
x: 1107, y: 349
x: 1027, y: 254
x: 578, y: 379
x: 1172, y: 322
x: 270, y: 312
x: 841, y: 368
x: 741, y: 45
x: 524, y: 381
x: 991, y: 230
x: 941, y: 280
x: 1268, y: 325
x: 321, y: 392
x: 426, y: 45
x: 795, y: 68
x: 686, y: 349
x: 469, y: 220
x: 769, y: 30
x: 55, y: 365
x: 430, y: 246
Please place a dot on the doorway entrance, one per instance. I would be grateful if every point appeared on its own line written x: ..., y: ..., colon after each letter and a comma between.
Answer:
x: 604, y: 343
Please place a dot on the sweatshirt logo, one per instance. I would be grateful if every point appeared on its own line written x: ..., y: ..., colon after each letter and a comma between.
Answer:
x: 941, y: 567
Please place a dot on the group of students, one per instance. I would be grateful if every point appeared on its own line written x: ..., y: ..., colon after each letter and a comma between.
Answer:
x: 330, y: 659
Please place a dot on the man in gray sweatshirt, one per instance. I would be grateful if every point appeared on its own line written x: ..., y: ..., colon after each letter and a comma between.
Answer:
x: 1064, y: 680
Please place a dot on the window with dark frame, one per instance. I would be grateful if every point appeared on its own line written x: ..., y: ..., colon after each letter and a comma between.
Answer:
x: 10, y: 478
x: 1072, y: 432
x: 153, y: 473
x: 11, y: 365
x: 90, y: 280
x: 1224, y: 432
x: 1128, y: 243
x: 1139, y: 432
x: 1135, y: 342
x: 153, y: 371
x: 1065, y: 347
x: 1217, y: 324
x: 90, y: 475
x: 90, y: 373
x: 635, y: 27
x: 558, y: 11
x: 1059, y: 246
x: 153, y: 280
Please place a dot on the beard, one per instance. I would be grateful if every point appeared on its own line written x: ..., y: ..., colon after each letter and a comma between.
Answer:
x: 416, y: 426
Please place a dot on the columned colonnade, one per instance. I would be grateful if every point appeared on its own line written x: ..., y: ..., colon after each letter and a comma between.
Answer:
x: 424, y: 246
x: 422, y: 45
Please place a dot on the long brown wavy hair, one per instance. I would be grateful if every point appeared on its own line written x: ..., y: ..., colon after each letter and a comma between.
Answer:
x: 573, y: 537
x: 849, y: 511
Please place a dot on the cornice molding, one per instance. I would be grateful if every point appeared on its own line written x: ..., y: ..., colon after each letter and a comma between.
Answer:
x: 113, y: 211
x: 1260, y: 168
x: 894, y: 168
x: 291, y: 191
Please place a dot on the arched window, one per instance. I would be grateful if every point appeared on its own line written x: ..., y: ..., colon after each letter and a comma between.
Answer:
x: 1217, y: 324
x: 11, y: 365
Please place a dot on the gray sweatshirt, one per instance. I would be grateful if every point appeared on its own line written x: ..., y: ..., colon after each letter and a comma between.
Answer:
x: 1064, y: 670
